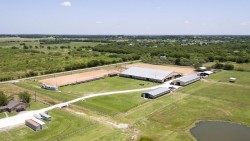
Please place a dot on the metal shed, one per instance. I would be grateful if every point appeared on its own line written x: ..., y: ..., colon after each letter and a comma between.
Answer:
x: 148, y: 74
x: 185, y: 80
x: 41, y: 123
x: 156, y: 93
x: 45, y: 116
x: 32, y: 124
x: 48, y: 87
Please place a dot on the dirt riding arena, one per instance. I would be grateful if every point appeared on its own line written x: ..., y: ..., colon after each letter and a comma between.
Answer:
x: 76, y: 78
x: 180, y: 69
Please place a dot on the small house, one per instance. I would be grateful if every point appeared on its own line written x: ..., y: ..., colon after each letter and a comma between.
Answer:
x: 14, y: 105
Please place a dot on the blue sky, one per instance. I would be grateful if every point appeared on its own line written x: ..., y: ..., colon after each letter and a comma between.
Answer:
x: 130, y: 17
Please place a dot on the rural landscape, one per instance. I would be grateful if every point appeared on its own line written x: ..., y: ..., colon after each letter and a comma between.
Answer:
x: 68, y: 79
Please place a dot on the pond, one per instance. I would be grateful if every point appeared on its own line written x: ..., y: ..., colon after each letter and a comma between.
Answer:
x: 220, y: 131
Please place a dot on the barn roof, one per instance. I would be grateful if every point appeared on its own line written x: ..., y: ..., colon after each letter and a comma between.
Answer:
x: 157, y: 91
x: 32, y: 122
x: 147, y: 73
x: 45, y: 115
x: 187, y: 78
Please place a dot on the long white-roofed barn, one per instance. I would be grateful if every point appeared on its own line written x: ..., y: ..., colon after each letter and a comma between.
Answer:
x: 152, y: 94
x: 149, y: 74
x: 187, y: 79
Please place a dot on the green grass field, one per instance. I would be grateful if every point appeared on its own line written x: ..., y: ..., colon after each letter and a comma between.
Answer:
x: 242, y: 77
x: 166, y: 118
x: 170, y: 117
x: 106, y: 85
x: 65, y: 126
x: 113, y: 104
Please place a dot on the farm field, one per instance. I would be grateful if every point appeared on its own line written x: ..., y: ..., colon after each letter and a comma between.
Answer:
x: 170, y: 117
x: 65, y: 126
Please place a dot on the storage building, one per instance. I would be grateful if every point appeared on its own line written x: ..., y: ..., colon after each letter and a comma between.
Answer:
x: 149, y: 74
x: 41, y: 123
x: 156, y: 93
x: 33, y: 125
x: 48, y: 87
x: 45, y: 116
x: 185, y: 80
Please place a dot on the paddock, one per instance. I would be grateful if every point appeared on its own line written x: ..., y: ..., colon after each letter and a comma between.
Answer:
x: 77, y: 78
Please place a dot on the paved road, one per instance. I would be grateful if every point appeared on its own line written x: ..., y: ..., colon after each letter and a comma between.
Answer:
x: 66, y: 72
x: 19, y: 119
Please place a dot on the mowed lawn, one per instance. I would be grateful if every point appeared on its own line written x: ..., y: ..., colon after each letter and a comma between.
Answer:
x: 64, y: 126
x: 243, y: 78
x: 107, y: 84
x: 113, y: 104
x: 170, y: 117
x: 75, y: 91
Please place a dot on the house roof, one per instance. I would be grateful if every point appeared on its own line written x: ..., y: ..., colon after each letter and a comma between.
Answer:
x: 187, y: 78
x: 158, y: 91
x: 14, y: 103
x: 147, y: 73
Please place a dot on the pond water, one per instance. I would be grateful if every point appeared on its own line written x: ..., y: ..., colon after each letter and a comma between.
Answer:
x: 220, y: 131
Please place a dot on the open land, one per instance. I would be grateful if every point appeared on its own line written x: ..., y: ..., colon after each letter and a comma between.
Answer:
x: 167, y: 118
x: 76, y: 78
x: 100, y: 118
x: 180, y: 69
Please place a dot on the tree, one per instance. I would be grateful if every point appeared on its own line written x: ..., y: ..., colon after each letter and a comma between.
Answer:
x: 228, y: 67
x: 3, y: 99
x: 197, y: 65
x: 218, y: 66
x: 24, y: 96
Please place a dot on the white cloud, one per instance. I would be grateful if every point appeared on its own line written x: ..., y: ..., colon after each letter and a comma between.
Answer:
x: 187, y: 22
x: 66, y: 4
x: 245, y: 23
x: 99, y: 22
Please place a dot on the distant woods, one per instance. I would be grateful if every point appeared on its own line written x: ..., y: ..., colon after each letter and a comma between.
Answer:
x: 33, y: 55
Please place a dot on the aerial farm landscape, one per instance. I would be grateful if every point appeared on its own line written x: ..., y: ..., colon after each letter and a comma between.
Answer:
x: 120, y: 86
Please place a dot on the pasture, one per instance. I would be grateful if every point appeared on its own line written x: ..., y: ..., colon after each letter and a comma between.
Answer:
x: 65, y: 126
x: 75, y: 91
x: 170, y: 117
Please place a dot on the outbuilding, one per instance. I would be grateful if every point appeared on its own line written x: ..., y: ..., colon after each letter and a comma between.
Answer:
x: 41, y: 123
x: 206, y: 73
x: 187, y: 79
x: 156, y: 93
x: 147, y: 74
x: 33, y: 125
x: 48, y: 87
x: 45, y: 116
